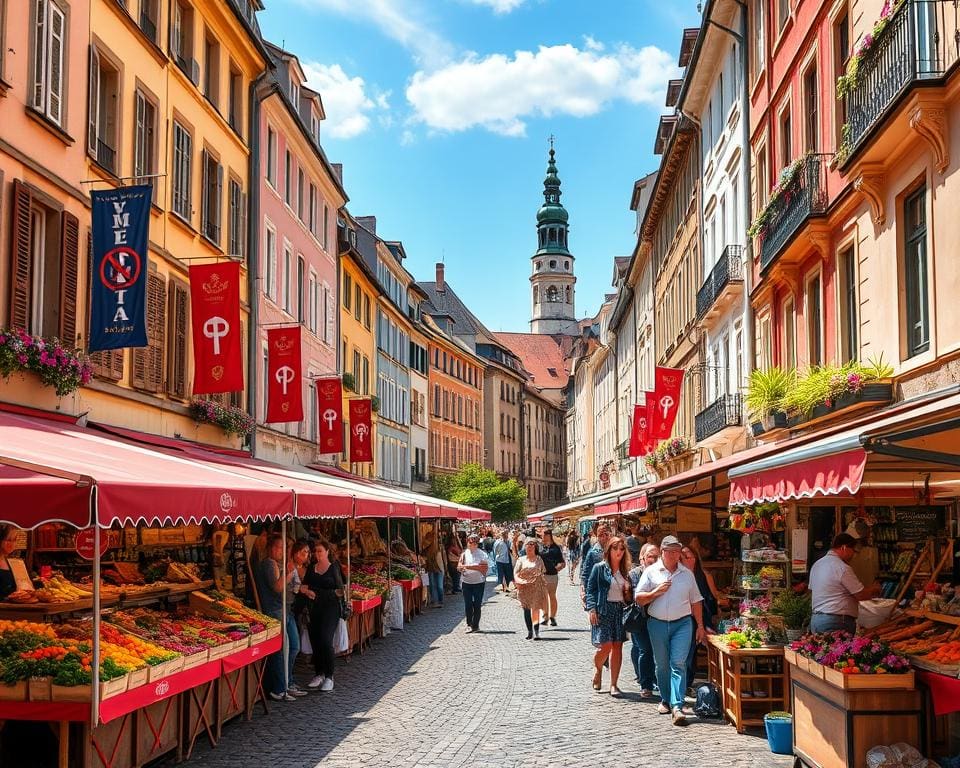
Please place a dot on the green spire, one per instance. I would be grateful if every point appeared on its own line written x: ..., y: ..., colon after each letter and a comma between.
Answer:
x: 552, y: 210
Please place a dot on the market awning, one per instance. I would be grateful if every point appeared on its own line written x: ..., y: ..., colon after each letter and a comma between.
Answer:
x: 32, y: 498
x: 636, y: 502
x: 909, y: 447
x: 610, y: 509
x: 537, y: 517
x: 133, y: 483
x: 585, y: 502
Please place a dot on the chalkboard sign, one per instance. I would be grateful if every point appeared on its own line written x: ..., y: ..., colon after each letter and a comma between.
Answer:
x: 918, y: 523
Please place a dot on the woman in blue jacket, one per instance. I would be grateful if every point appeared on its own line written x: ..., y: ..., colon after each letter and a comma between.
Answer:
x: 608, y: 591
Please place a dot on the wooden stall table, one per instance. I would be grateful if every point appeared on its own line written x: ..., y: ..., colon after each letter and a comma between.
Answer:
x: 837, y: 718
x: 742, y: 673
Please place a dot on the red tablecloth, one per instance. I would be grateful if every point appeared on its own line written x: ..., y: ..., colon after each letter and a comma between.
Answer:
x: 157, y: 690
x: 944, y: 691
x: 362, y: 606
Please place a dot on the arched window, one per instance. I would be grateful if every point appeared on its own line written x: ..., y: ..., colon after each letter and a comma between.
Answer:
x: 536, y: 294
x: 553, y: 263
x: 568, y: 294
x: 566, y: 265
x: 553, y: 294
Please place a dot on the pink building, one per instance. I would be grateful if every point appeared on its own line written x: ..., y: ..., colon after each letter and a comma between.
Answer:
x: 300, y: 195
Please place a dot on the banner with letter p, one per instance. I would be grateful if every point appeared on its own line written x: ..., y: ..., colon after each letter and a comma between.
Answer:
x: 330, y: 413
x: 284, y: 393
x: 120, y: 225
x: 668, y: 382
x: 215, y: 310
x: 361, y: 430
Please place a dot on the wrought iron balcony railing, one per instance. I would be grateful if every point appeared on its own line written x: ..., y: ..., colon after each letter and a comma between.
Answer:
x: 106, y: 156
x: 725, y: 411
x: 803, y: 196
x: 728, y: 270
x: 920, y: 42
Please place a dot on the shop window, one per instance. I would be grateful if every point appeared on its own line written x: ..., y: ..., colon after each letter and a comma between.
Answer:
x: 915, y: 273
x: 102, y: 132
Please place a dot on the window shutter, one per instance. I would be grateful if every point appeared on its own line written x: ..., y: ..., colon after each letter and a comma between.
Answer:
x: 107, y: 364
x: 148, y: 361
x: 69, y: 268
x: 179, y: 319
x: 55, y: 80
x: 218, y: 205
x: 242, y: 234
x: 204, y: 195
x: 20, y: 262
x: 94, y: 101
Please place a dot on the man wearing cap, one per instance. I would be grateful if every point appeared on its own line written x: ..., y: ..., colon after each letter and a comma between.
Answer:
x: 836, y: 589
x: 473, y: 567
x: 670, y: 592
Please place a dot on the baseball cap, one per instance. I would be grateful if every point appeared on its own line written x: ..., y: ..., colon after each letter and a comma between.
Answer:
x: 670, y: 542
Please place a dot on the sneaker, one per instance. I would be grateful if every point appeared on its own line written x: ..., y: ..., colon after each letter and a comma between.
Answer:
x: 645, y: 693
x: 316, y: 682
x: 327, y: 684
x: 469, y: 630
x: 678, y: 717
x: 281, y: 696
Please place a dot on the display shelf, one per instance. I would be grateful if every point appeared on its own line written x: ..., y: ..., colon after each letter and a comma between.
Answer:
x: 734, y: 672
x: 37, y: 610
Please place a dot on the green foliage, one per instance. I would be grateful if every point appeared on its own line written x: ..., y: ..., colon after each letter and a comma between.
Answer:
x: 477, y: 487
x: 877, y: 368
x: 766, y: 389
x: 349, y: 382
x: 794, y: 609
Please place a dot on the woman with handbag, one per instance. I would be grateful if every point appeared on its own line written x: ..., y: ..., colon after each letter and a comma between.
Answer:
x: 528, y: 575
x: 321, y: 584
x: 641, y: 652
x: 299, y: 555
x: 608, y: 591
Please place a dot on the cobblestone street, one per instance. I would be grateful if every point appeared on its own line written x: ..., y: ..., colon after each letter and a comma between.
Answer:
x: 433, y: 695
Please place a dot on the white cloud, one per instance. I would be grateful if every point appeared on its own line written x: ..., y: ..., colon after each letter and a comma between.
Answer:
x: 592, y: 44
x: 345, y: 99
x: 400, y: 20
x: 499, y: 93
x: 500, y: 6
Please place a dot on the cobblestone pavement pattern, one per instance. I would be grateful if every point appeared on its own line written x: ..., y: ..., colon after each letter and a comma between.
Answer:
x: 435, y: 697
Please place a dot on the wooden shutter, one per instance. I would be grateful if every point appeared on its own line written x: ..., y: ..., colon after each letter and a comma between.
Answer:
x: 55, y: 61
x: 107, y: 364
x: 179, y: 322
x: 69, y: 268
x: 21, y: 266
x: 217, y: 203
x: 148, y: 361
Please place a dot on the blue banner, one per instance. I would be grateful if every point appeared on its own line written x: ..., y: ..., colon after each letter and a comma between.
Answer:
x: 118, y: 283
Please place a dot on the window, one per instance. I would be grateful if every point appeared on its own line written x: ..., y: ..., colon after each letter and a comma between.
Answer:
x: 312, y: 308
x: 789, y: 360
x: 103, y: 111
x: 288, y: 178
x: 756, y: 39
x: 211, y: 204
x: 181, y: 39
x: 272, y: 157
x: 178, y: 331
x: 347, y: 290
x: 915, y: 269
x: 238, y: 221
x: 312, y: 213
x: 147, y: 365
x: 783, y: 12
x: 365, y: 383
x: 786, y: 148
x: 329, y: 307
x: 814, y: 319
x: 326, y: 225
x: 270, y: 262
x: 849, y: 307
x: 287, y: 275
x: 301, y: 304
x: 764, y: 347
x: 144, y: 139
x: 148, y: 19
x: 211, y: 69
x: 300, y: 188
x: 763, y: 176
x: 811, y: 113
x: 48, y: 44
x: 366, y: 311
x: 182, y: 161
x: 357, y: 300
x: 235, y: 106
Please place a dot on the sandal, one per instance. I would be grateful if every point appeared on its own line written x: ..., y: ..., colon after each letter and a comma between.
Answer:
x: 597, y: 677
x: 663, y: 709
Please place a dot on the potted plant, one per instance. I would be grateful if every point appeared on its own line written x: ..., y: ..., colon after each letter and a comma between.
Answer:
x: 765, y: 391
x: 795, y: 610
x: 349, y: 382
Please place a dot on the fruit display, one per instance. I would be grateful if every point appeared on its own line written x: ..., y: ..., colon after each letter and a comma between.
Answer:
x: 399, y: 573
x: 745, y: 637
x: 226, y: 608
x: 368, y: 576
x: 764, y: 555
x: 360, y: 592
x: 57, y: 589
x: 186, y: 634
x: 928, y: 642
x: 23, y: 597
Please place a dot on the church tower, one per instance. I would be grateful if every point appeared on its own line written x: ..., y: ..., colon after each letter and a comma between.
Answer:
x: 552, y: 281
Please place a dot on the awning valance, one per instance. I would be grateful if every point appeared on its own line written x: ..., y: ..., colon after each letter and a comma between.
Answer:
x: 829, y: 474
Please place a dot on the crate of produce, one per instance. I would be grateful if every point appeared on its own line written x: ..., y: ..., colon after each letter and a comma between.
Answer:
x: 138, y: 677
x: 272, y: 631
x: 195, y: 659
x: 858, y: 682
x: 71, y: 692
x: 258, y: 637
x: 114, y: 687
x: 165, y: 669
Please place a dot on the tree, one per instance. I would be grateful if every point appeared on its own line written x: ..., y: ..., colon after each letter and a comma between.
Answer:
x: 477, y: 487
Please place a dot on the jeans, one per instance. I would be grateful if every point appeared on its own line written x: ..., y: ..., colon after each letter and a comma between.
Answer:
x: 436, y: 587
x: 641, y: 654
x: 472, y: 600
x: 454, y: 578
x: 275, y: 682
x: 671, y: 644
x: 831, y: 622
x: 504, y: 573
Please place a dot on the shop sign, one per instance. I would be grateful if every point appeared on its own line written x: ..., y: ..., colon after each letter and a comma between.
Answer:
x: 330, y: 413
x: 85, y: 543
x: 120, y: 231
x: 284, y: 390
x: 215, y: 312
x: 361, y: 431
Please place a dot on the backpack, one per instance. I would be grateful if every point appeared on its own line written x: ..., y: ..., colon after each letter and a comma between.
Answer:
x: 708, y: 701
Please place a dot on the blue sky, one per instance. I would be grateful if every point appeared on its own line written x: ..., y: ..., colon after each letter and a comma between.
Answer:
x: 440, y: 112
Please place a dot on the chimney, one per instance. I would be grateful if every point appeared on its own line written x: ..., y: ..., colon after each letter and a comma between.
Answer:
x: 441, y: 286
x: 338, y: 171
x: 369, y: 223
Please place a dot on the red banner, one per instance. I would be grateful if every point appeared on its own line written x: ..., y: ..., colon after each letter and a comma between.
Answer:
x: 641, y: 441
x: 666, y: 401
x: 285, y: 393
x: 330, y: 412
x: 361, y: 431
x: 217, y: 346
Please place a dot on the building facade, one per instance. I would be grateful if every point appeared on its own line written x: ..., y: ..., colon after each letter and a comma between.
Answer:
x: 419, y: 393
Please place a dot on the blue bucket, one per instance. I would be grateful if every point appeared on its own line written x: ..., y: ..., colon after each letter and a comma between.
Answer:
x: 779, y: 735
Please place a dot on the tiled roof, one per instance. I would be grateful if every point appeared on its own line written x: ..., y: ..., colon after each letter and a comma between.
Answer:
x: 446, y: 302
x: 541, y: 355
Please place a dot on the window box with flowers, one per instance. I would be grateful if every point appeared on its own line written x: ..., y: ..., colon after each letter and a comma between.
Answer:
x: 63, y: 369
x: 669, y: 457
x: 830, y: 391
x: 232, y: 420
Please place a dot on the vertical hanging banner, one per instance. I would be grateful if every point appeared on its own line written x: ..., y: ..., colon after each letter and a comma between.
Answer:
x: 330, y: 412
x: 640, y: 442
x: 361, y: 431
x: 284, y: 393
x: 120, y: 226
x: 668, y: 382
x: 215, y: 311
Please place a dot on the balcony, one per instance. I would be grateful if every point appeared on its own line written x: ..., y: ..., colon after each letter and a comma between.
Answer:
x: 800, y: 198
x: 921, y: 42
x: 106, y: 156
x: 724, y: 280
x: 719, y: 421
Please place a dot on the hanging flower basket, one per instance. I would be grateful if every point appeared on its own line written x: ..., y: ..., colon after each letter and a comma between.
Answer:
x: 63, y: 369
x: 233, y: 421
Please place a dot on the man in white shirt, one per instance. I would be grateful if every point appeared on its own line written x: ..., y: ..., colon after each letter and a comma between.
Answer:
x: 671, y: 595
x: 837, y: 592
x: 473, y: 567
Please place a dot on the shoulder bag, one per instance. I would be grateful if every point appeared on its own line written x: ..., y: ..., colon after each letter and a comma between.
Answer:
x: 634, y: 617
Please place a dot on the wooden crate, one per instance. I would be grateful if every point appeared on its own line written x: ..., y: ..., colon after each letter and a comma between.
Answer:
x: 15, y: 692
x: 158, y: 729
x: 836, y: 727
x: 904, y: 682
x: 138, y: 677
x: 195, y: 659
x: 165, y: 669
x: 40, y: 688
